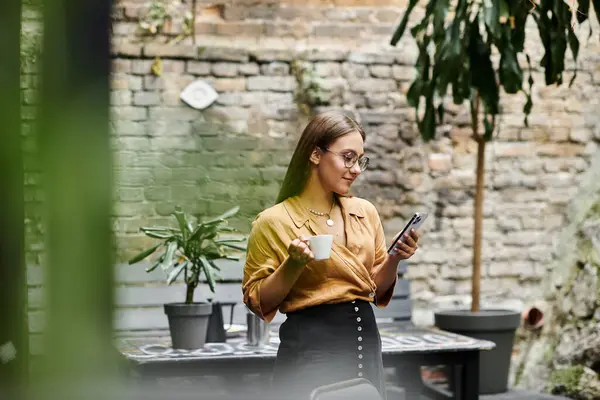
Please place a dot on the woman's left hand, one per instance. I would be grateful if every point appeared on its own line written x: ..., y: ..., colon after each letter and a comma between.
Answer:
x: 407, y: 246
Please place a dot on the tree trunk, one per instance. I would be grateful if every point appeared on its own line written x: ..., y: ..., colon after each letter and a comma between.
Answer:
x: 76, y: 159
x: 478, y: 211
x: 14, y: 351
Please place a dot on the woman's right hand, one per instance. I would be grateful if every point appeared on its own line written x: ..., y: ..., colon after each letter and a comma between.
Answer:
x: 299, y: 251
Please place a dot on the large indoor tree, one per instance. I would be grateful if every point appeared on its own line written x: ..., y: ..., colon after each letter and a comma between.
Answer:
x: 456, y: 40
x: 13, y: 292
x: 76, y: 160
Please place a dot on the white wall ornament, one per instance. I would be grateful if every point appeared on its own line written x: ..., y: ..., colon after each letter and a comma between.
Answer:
x: 199, y: 95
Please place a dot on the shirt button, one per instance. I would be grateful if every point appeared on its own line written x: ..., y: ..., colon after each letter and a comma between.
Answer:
x: 360, y: 374
x: 360, y: 338
x: 360, y: 356
x: 360, y: 366
x: 359, y: 328
x: 359, y: 348
x: 358, y: 319
x: 353, y: 301
x: 372, y: 294
x: 356, y: 309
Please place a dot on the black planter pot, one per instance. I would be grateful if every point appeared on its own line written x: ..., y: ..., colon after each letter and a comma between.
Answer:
x: 497, y: 326
x: 188, y: 324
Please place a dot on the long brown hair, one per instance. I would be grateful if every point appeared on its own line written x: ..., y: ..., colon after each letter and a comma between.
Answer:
x: 320, y: 132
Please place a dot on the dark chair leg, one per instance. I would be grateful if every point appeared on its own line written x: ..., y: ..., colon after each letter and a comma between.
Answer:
x: 470, y: 376
x: 408, y: 376
x: 455, y: 380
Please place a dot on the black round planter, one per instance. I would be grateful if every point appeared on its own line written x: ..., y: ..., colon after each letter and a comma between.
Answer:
x: 188, y: 324
x: 497, y: 326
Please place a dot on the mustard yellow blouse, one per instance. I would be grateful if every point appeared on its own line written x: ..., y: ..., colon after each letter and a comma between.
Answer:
x: 347, y: 275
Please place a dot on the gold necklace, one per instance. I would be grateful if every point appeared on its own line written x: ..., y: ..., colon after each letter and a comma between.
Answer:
x: 329, y: 221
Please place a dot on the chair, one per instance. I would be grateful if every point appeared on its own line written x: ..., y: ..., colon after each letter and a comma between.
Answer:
x: 395, y: 392
x: 353, y: 389
x: 400, y: 307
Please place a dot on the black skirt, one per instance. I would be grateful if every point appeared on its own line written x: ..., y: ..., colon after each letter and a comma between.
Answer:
x: 326, y: 344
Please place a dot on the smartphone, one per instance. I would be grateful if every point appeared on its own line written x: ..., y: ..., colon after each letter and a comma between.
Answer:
x: 414, y: 223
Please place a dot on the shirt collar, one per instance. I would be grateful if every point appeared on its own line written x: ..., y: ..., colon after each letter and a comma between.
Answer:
x: 296, y: 211
x: 299, y: 214
x: 352, y: 206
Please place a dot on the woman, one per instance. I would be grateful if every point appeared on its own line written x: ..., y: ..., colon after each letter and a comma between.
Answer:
x: 330, y: 333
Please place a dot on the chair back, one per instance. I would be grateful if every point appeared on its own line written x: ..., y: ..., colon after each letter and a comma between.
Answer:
x: 400, y: 307
x: 353, y: 389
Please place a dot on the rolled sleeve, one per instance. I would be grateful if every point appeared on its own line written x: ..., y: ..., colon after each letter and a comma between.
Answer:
x: 263, y: 257
x: 380, y: 258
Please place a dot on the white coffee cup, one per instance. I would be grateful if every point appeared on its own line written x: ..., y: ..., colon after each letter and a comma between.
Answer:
x: 321, y: 246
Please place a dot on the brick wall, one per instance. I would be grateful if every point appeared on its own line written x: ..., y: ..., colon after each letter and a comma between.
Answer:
x: 236, y: 151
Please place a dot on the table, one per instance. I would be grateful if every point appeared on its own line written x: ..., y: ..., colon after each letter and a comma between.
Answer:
x: 404, y: 348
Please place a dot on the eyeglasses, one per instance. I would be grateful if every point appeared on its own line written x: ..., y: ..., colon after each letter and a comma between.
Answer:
x: 351, y: 159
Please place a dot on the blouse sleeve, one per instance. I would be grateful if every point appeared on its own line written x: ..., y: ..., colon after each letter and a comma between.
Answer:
x: 266, y: 252
x: 380, y: 257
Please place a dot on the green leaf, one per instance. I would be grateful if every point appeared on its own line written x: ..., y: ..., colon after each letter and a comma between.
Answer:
x: 520, y: 14
x: 511, y: 75
x: 574, y: 46
x: 231, y: 240
x: 180, y: 216
x: 482, y: 73
x: 156, y: 264
x: 489, y: 129
x: 440, y: 112
x: 144, y: 254
x: 224, y: 216
x: 596, y: 4
x: 427, y: 125
x: 414, y: 93
x: 527, y: 109
x: 420, y: 30
x: 447, y: 61
x: 460, y: 86
x: 503, y: 11
x: 583, y: 9
x: 207, y: 269
x: 237, y: 247
x: 439, y: 18
x: 529, y: 103
x: 197, y: 232
x: 544, y: 28
x: 176, y: 272
x: 491, y: 13
x: 169, y: 254
x: 207, y: 230
x: 403, y: 22
x: 156, y: 235
x: 214, y: 265
x: 157, y: 228
x: 210, y: 234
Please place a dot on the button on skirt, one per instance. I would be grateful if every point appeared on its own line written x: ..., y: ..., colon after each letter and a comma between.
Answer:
x: 326, y: 344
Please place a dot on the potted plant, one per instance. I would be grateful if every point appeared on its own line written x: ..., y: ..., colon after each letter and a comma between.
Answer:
x: 188, y: 252
x: 456, y: 41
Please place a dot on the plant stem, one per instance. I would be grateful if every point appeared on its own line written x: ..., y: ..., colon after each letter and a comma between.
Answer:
x: 478, y: 214
x: 189, y: 294
x: 193, y: 21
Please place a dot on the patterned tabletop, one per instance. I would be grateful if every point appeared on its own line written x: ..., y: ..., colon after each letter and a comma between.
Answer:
x: 395, y: 340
